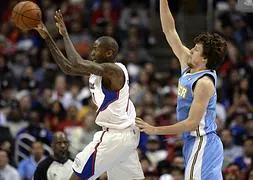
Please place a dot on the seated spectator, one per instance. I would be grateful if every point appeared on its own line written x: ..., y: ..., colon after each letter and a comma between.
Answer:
x: 70, y: 120
x: 27, y: 166
x: 232, y: 172
x: 177, y: 173
x: 105, y: 14
x: 154, y: 152
x: 231, y: 151
x: 35, y: 129
x: 6, y: 171
x: 55, y: 116
x: 245, y: 160
x: 133, y: 16
x: 60, y: 93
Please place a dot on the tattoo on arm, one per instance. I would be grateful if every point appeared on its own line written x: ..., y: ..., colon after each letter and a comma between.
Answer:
x: 85, y: 66
x: 72, y: 54
x: 80, y: 65
x: 65, y: 65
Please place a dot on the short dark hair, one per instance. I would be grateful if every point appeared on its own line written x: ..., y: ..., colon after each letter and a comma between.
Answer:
x: 109, y: 43
x: 214, y: 49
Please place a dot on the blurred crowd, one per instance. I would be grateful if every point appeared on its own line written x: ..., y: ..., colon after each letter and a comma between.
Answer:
x: 36, y: 99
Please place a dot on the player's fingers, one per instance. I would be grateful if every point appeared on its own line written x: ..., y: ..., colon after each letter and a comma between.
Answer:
x: 56, y: 13
x: 60, y: 13
x: 139, y: 118
x: 56, y: 18
x: 140, y: 122
x: 140, y: 125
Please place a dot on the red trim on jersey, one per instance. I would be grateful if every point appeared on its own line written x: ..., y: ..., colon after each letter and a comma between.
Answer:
x: 95, y: 153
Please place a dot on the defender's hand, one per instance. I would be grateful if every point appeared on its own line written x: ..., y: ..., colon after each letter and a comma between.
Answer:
x: 60, y: 23
x: 144, y: 127
x: 42, y: 30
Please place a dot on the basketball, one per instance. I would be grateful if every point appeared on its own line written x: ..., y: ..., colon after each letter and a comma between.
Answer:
x: 26, y: 15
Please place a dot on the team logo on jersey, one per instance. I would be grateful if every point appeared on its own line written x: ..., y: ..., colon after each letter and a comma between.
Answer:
x: 77, y: 162
x: 182, y: 91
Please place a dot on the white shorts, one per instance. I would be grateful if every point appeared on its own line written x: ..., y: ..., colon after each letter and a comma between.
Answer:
x: 113, y: 151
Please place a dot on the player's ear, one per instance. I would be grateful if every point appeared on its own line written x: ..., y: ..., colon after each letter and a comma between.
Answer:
x: 109, y: 53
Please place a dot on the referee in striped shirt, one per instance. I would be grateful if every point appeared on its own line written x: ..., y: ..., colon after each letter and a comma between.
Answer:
x: 58, y: 166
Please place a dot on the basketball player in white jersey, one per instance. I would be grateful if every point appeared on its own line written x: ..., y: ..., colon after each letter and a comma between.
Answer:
x: 113, y: 150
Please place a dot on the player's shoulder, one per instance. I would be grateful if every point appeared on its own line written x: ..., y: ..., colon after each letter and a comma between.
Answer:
x: 205, y: 82
x: 113, y: 69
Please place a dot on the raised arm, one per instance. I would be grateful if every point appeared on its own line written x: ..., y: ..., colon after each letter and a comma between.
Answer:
x: 77, y: 65
x: 64, y: 64
x: 109, y: 71
x: 169, y: 29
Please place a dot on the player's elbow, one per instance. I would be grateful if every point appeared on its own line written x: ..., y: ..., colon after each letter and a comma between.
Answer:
x: 75, y: 62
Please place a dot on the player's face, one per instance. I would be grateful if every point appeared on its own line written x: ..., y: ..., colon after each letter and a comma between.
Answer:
x: 96, y: 53
x: 196, y: 58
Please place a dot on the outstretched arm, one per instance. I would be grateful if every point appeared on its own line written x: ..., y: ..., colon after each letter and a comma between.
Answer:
x: 64, y: 64
x: 203, y: 91
x: 77, y: 66
x: 79, y: 63
x: 109, y: 71
x: 169, y: 29
x: 69, y: 47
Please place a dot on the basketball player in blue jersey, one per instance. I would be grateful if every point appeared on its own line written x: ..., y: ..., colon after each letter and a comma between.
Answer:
x: 203, y: 150
x: 114, y: 149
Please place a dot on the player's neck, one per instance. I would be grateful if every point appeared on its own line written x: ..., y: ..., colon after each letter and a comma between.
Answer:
x: 197, y: 69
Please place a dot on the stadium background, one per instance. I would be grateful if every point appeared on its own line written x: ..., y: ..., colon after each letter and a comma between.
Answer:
x: 36, y: 99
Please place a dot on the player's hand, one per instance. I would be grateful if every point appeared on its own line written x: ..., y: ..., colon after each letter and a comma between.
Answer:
x: 42, y: 30
x: 60, y: 23
x: 144, y: 127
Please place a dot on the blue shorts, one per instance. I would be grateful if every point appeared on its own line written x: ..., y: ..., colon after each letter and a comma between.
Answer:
x: 203, y: 157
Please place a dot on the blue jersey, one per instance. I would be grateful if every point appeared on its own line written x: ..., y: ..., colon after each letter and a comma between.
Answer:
x: 185, y: 98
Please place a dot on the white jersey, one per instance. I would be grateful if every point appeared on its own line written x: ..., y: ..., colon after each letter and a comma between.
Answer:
x: 115, y: 109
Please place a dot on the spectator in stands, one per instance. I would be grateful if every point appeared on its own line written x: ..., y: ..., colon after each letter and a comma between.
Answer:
x: 154, y: 152
x: 56, y: 115
x: 70, y: 120
x: 249, y: 175
x: 178, y: 161
x: 177, y: 173
x: 35, y: 129
x: 7, y: 171
x: 60, y: 93
x: 133, y: 16
x: 27, y: 166
x: 245, y: 161
x: 103, y: 16
x: 80, y: 136
x: 58, y: 166
x: 25, y: 104
x: 249, y: 126
x: 231, y: 151
x: 134, y: 52
x: 232, y: 172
